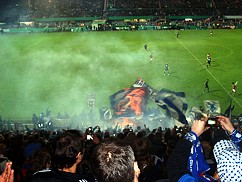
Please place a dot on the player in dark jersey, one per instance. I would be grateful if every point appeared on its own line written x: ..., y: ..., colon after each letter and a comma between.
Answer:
x: 234, y: 86
x: 146, y: 47
x: 206, y: 86
x: 209, y: 60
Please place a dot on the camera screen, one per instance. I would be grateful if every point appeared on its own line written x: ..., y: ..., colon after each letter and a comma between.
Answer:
x: 211, y: 122
x: 89, y: 137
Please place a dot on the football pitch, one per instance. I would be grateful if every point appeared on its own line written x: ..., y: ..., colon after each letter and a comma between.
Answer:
x: 59, y: 70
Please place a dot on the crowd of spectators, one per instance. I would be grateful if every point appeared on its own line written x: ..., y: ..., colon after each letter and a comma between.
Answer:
x: 66, y: 8
x: 227, y: 7
x: 71, y: 155
x: 34, y: 150
x: 175, y: 8
x: 99, y: 8
x: 72, y: 8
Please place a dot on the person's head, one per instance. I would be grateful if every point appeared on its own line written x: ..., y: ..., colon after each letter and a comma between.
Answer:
x: 69, y: 150
x: 229, y: 161
x: 207, y: 149
x: 40, y: 159
x: 113, y: 160
x: 142, y: 154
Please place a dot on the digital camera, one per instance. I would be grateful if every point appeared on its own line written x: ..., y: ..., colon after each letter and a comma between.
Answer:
x: 89, y: 133
x: 213, y: 121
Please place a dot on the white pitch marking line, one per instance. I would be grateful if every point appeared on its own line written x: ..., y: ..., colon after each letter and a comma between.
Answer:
x: 209, y: 72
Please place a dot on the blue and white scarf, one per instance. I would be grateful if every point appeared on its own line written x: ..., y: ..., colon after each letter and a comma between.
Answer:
x: 196, y: 163
x: 236, y: 137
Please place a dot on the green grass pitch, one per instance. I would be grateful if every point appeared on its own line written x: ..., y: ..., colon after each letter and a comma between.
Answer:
x: 59, y: 70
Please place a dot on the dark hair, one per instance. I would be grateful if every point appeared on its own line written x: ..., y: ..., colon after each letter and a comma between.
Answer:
x: 142, y: 154
x: 39, y: 159
x: 67, y: 148
x: 113, y: 160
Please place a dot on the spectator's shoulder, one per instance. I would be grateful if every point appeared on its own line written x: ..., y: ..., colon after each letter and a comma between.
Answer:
x: 45, y: 175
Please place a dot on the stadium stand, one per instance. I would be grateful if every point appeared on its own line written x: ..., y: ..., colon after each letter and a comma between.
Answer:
x: 15, y: 10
